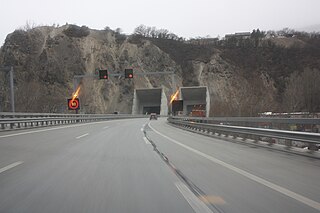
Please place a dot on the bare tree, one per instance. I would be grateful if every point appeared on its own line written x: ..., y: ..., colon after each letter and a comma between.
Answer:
x: 293, y: 94
x: 302, y: 91
x: 311, y: 89
x: 140, y: 30
x: 119, y: 30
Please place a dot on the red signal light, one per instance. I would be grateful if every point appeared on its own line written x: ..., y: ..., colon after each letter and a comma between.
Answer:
x: 103, y: 74
x: 128, y: 73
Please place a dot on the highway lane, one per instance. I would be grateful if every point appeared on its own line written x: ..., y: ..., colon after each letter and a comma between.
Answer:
x: 100, y: 167
x: 231, y: 172
x: 110, y: 167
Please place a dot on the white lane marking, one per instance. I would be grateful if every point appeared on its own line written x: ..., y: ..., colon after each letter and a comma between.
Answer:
x: 257, y: 179
x: 44, y: 130
x: 81, y: 136
x: 146, y: 140
x: 10, y: 166
x: 141, y: 129
x: 106, y: 127
x: 197, y: 205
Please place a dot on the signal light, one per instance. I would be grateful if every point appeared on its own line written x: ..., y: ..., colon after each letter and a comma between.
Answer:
x: 128, y: 73
x: 103, y: 74
x: 73, y: 104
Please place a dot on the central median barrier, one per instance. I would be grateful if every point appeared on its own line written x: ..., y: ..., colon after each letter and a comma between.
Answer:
x: 13, y: 121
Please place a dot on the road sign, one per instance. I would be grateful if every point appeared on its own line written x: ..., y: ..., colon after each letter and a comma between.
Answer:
x: 73, y: 104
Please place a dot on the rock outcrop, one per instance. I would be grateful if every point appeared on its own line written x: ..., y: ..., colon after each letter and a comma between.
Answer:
x: 46, y: 59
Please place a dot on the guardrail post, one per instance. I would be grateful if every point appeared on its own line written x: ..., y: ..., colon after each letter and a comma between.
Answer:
x: 255, y: 138
x: 312, y: 147
x: 288, y: 144
x: 244, y: 137
x: 270, y: 141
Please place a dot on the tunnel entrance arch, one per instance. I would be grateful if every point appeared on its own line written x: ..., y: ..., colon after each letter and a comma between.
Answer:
x: 146, y: 101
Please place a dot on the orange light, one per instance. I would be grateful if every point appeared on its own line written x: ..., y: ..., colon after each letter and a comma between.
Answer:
x: 75, y: 95
x: 73, y: 104
x: 174, y: 96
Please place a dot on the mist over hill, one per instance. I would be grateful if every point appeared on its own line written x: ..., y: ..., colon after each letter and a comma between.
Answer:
x: 245, y: 74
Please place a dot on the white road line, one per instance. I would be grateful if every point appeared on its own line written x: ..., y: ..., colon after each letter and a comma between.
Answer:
x: 197, y: 205
x: 257, y: 179
x: 146, y: 140
x: 81, y: 136
x: 141, y: 129
x: 45, y: 130
x: 10, y: 166
x: 106, y: 127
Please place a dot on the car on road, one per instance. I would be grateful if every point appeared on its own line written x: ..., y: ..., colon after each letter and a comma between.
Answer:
x: 153, y: 116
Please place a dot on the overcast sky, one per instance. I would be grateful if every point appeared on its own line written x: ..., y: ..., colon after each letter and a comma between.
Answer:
x: 187, y: 18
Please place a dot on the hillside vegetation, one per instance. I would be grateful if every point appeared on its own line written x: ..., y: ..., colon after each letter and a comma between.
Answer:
x: 273, y: 71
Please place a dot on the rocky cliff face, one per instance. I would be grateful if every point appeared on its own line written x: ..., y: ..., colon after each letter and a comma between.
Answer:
x: 46, y: 59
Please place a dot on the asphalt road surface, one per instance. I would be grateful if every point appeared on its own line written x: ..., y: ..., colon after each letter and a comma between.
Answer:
x: 112, y: 167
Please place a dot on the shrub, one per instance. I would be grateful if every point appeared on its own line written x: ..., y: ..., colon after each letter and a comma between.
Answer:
x: 76, y: 31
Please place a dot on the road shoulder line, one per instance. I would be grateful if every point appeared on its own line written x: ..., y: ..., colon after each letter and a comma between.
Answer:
x: 196, y: 204
x: 50, y: 129
x: 248, y: 175
x: 81, y: 136
x: 10, y: 166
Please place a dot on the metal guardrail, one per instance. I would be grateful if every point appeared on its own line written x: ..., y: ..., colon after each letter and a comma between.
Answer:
x: 297, y: 124
x: 10, y: 121
x: 55, y: 115
x: 253, y: 120
x: 312, y: 139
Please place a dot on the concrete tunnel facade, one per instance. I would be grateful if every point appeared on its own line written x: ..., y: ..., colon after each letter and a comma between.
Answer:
x: 146, y: 101
x: 195, y: 100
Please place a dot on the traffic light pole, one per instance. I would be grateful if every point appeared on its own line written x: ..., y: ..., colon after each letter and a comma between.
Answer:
x: 78, y: 78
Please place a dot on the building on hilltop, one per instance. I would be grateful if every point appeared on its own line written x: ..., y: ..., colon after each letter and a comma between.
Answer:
x: 242, y: 35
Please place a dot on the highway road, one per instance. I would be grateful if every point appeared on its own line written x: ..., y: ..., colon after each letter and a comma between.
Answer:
x: 113, y: 166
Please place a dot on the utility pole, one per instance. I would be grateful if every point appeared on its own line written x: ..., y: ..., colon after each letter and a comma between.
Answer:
x: 174, y: 86
x: 11, y: 90
x: 10, y: 70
